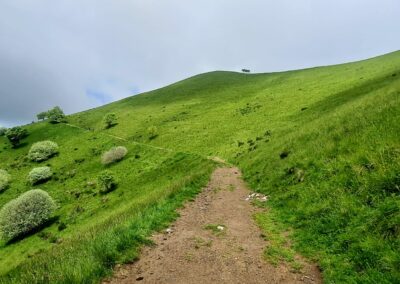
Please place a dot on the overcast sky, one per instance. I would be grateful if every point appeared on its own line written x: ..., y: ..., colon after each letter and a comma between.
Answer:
x: 84, y: 53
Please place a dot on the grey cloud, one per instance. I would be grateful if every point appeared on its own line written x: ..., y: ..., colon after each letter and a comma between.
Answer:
x: 58, y: 52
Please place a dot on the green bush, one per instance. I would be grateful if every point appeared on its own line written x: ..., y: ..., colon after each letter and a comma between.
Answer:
x: 38, y: 175
x: 115, y: 154
x: 152, y: 131
x: 4, y: 180
x: 107, y: 181
x: 15, y: 135
x: 25, y: 213
x: 43, y: 150
x: 56, y: 115
x: 3, y: 131
x: 109, y: 120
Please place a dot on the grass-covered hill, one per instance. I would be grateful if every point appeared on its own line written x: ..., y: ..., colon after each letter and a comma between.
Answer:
x: 323, y: 143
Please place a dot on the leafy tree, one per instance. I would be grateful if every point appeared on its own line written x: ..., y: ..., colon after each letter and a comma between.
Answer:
x: 16, y: 134
x: 109, y: 120
x: 245, y: 70
x: 56, y: 115
x: 42, y: 115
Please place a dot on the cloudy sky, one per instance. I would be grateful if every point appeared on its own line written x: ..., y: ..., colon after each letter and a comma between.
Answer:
x: 82, y: 54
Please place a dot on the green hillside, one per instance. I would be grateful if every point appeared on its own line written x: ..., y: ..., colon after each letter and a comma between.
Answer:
x: 322, y: 143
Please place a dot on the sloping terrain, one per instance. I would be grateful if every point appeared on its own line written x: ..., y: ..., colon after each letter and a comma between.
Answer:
x: 322, y: 143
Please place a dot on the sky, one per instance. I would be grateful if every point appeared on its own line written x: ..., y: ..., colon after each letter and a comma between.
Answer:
x: 86, y: 53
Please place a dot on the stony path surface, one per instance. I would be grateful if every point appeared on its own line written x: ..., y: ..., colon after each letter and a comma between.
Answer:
x: 196, y: 250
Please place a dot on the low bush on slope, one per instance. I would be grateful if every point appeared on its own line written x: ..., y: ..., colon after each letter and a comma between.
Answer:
x: 42, y: 151
x: 113, y: 155
x: 4, y: 180
x: 25, y: 213
x: 39, y: 175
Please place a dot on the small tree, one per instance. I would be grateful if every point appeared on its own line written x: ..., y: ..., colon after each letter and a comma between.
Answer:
x: 109, y: 120
x: 56, y: 115
x: 153, y: 132
x: 15, y: 135
x: 42, y: 115
x: 245, y: 70
x: 107, y: 181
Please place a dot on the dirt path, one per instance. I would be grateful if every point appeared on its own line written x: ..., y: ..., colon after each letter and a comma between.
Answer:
x: 195, y: 250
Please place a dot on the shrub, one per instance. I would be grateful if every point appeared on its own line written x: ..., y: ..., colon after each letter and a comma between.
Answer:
x: 115, y: 154
x: 15, y: 135
x: 43, y: 150
x: 25, y: 213
x: 109, y: 120
x: 56, y: 115
x: 4, y: 180
x: 3, y: 131
x: 40, y: 174
x: 107, y: 181
x: 153, y: 132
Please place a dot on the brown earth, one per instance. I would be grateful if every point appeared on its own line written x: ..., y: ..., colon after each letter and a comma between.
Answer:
x: 194, y: 250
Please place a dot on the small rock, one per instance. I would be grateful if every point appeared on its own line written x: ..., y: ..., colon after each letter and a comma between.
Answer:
x: 221, y: 228
x: 140, y: 278
x: 169, y: 231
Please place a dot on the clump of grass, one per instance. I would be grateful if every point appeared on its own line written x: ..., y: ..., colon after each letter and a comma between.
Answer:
x: 114, y: 155
x: 200, y: 242
x: 42, y: 151
x: 216, y: 229
x: 39, y: 175
x: 25, y: 213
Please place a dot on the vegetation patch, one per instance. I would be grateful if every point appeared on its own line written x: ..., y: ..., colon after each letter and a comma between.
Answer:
x: 39, y: 175
x: 107, y: 181
x: 114, y: 155
x: 216, y: 229
x: 42, y: 151
x: 25, y: 213
x: 5, y: 178
x: 278, y: 249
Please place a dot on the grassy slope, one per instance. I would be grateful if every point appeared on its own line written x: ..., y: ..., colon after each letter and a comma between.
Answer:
x: 147, y: 178
x: 338, y: 188
x: 339, y: 185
